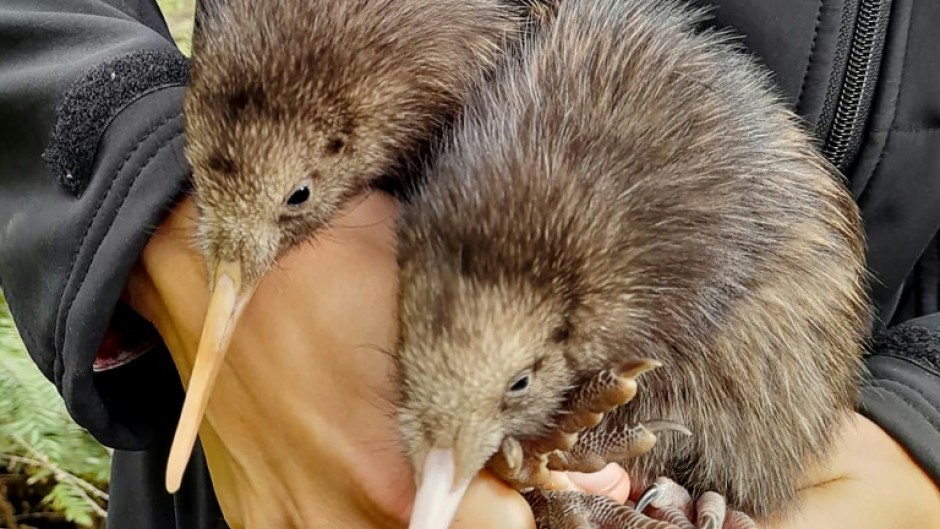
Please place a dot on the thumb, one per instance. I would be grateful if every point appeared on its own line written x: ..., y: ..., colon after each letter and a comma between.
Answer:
x: 611, y: 481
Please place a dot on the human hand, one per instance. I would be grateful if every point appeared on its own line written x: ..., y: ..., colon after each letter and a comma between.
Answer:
x: 869, y: 483
x: 299, y: 427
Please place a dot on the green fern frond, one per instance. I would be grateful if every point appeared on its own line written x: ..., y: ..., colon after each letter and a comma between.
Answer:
x: 39, y: 439
x: 70, y: 501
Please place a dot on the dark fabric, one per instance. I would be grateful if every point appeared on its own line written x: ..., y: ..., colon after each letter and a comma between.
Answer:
x: 95, y: 99
x: 64, y: 257
x: 917, y: 340
x: 902, y: 395
x: 139, y: 500
x: 66, y: 248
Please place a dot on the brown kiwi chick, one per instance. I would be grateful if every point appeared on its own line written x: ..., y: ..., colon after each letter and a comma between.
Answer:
x: 629, y: 187
x: 293, y: 108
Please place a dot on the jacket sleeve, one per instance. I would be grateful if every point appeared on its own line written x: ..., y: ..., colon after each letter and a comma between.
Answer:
x: 902, y: 393
x: 91, y: 160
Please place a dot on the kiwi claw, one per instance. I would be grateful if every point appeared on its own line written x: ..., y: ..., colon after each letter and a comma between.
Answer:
x: 570, y: 509
x: 635, y: 367
x: 659, y: 426
x: 507, y: 462
x: 648, y: 496
x: 527, y: 463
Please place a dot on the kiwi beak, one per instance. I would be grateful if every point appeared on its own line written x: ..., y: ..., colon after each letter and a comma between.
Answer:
x: 440, y: 492
x: 225, y: 308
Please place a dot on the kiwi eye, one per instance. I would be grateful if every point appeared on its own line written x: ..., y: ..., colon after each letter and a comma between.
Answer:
x: 299, y: 196
x: 335, y: 145
x: 520, y: 385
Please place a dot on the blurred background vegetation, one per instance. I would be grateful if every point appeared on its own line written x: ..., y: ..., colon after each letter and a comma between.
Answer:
x: 53, y: 475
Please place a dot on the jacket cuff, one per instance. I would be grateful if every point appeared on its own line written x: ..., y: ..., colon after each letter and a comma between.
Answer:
x: 903, y: 394
x: 135, y: 174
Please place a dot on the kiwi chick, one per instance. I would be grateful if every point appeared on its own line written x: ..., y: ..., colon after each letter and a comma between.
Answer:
x: 293, y: 108
x: 631, y: 186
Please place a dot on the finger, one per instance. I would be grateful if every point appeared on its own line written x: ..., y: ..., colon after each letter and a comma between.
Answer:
x: 611, y: 481
x: 491, y: 504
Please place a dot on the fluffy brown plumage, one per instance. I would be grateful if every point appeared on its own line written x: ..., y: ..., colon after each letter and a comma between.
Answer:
x: 318, y: 99
x: 294, y: 108
x: 629, y: 186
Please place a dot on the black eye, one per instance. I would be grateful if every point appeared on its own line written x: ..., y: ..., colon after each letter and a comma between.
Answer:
x: 335, y: 146
x: 299, y: 196
x: 520, y: 385
x: 561, y: 334
x: 222, y: 164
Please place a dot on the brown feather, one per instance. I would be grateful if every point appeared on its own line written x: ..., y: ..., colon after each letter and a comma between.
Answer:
x: 629, y: 186
x: 338, y: 93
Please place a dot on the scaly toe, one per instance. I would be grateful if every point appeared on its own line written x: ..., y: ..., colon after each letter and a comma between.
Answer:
x: 611, y: 388
x: 739, y: 520
x: 712, y: 510
x: 671, y: 494
x: 675, y: 517
x: 569, y: 510
x: 557, y: 440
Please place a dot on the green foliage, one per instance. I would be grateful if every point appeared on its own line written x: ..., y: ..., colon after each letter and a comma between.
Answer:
x: 39, y: 439
x: 179, y: 17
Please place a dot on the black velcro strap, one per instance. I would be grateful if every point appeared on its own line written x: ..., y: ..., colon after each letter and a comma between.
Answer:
x: 920, y: 343
x: 95, y: 98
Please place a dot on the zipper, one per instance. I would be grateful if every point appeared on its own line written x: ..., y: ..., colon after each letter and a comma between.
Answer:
x: 853, y: 92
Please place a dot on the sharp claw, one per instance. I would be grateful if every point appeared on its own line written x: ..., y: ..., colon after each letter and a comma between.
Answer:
x: 606, y: 391
x: 511, y: 452
x: 635, y: 367
x: 621, y: 384
x: 648, y: 496
x: 507, y: 463
x: 529, y: 463
x: 673, y: 495
x: 658, y: 426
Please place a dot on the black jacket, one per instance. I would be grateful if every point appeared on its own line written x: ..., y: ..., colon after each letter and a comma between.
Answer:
x: 91, y: 159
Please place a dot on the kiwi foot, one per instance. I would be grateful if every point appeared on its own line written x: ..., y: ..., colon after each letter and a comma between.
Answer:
x: 672, y: 503
x: 599, y: 446
x: 580, y: 510
x: 525, y: 464
x: 665, y: 506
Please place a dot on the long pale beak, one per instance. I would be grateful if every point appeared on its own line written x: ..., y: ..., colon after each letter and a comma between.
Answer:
x: 225, y: 308
x: 439, y: 494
